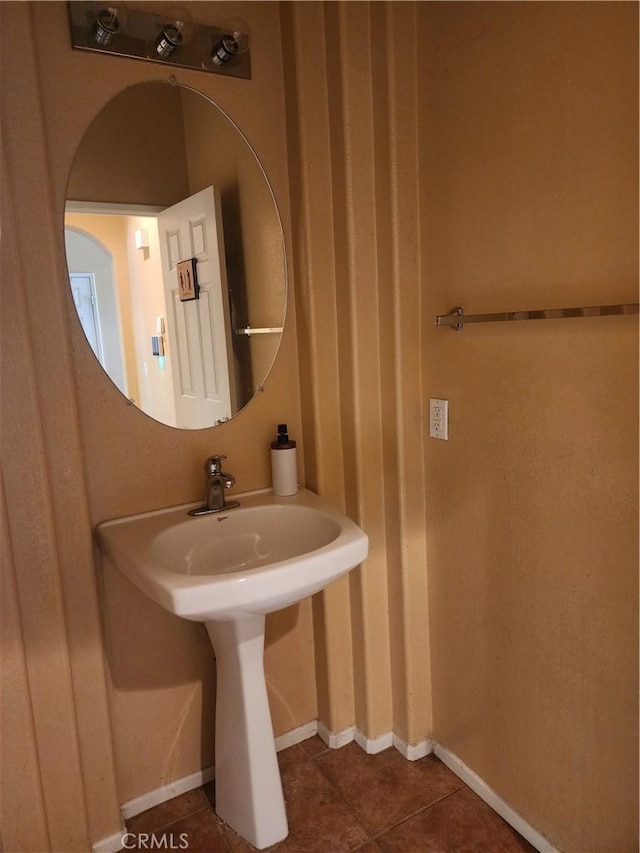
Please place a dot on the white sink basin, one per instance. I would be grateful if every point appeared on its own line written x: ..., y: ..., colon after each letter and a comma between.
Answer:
x: 228, y: 570
x: 266, y: 554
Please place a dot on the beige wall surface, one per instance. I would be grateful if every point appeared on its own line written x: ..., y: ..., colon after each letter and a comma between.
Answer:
x: 422, y: 155
x: 480, y: 154
x: 134, y: 150
x: 113, y: 719
x: 351, y: 97
x: 528, y: 133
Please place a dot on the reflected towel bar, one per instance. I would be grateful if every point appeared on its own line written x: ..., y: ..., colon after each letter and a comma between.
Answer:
x: 271, y: 330
x: 456, y: 318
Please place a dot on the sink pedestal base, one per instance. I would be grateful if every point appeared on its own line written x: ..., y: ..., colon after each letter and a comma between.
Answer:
x: 248, y: 786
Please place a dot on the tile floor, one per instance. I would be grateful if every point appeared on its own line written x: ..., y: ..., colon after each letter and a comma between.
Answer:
x: 342, y: 801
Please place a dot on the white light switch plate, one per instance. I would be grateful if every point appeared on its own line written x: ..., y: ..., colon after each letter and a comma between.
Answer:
x: 439, y: 419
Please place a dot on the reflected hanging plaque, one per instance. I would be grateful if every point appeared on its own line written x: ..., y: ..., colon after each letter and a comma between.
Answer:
x: 187, y: 280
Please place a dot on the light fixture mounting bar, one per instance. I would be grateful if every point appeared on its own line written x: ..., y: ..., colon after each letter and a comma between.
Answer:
x: 119, y: 31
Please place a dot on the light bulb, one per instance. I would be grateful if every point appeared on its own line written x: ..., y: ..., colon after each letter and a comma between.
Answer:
x: 170, y: 38
x: 235, y: 41
x: 106, y: 25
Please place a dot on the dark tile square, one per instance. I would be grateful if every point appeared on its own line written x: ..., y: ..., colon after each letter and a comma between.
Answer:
x: 320, y: 824
x: 384, y: 789
x: 236, y: 844
x: 460, y: 823
x: 292, y: 755
x: 303, y: 780
x: 200, y: 832
x: 314, y: 746
x: 166, y: 813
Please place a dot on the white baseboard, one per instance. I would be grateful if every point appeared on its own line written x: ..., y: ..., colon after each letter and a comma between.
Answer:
x: 335, y: 740
x: 166, y: 792
x: 112, y: 844
x: 480, y: 787
x: 373, y: 745
x: 413, y: 751
x: 296, y: 735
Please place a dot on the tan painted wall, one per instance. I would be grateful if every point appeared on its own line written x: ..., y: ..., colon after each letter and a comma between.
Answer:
x: 109, y: 728
x: 529, y: 153
x: 151, y: 125
x: 351, y: 90
x: 435, y: 153
x: 483, y: 154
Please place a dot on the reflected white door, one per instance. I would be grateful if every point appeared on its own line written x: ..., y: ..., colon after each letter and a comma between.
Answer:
x: 199, y: 333
x: 83, y: 287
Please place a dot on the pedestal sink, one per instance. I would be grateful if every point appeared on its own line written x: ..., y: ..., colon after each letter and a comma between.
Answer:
x: 229, y: 570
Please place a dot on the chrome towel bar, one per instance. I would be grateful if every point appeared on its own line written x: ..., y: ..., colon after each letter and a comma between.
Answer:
x: 457, y: 319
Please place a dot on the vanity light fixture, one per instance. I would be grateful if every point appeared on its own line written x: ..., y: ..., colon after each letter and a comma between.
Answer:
x: 102, y: 27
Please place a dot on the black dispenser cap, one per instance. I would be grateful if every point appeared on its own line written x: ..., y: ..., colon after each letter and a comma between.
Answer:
x: 283, y: 442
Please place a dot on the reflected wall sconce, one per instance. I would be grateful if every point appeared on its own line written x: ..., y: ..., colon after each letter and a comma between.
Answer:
x: 113, y: 29
x: 141, y: 238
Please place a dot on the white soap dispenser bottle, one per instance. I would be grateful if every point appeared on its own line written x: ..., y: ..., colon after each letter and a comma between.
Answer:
x: 284, y: 467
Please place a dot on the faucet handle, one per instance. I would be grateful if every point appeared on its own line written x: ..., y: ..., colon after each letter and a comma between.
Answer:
x: 213, y: 465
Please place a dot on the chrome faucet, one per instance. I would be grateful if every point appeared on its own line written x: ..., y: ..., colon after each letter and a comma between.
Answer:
x: 216, y: 482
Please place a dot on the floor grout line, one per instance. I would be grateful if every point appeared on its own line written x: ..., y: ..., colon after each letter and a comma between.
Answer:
x: 415, y: 813
x: 342, y: 800
x: 164, y: 826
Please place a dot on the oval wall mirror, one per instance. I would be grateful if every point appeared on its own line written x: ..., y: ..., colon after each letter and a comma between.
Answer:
x: 175, y: 255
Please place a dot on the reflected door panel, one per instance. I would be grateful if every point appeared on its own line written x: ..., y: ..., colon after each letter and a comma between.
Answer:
x: 199, y: 334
